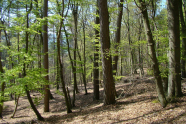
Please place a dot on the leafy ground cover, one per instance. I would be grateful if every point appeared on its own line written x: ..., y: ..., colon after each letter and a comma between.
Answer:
x: 137, y: 103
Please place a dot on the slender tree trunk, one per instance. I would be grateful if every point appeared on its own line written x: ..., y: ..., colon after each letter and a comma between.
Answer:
x: 109, y: 86
x: 57, y: 75
x: 16, y: 105
x: 61, y: 72
x: 139, y: 50
x: 72, y: 64
x: 174, y: 79
x: 61, y: 65
x: 75, y: 47
x: 117, y: 37
x: 84, y: 65
x: 117, y: 41
x: 130, y: 44
x: 32, y: 105
x: 151, y: 44
x: 96, y: 59
x: 183, y: 30
x: 2, y: 84
x: 24, y: 74
x: 83, y: 75
x: 45, y: 50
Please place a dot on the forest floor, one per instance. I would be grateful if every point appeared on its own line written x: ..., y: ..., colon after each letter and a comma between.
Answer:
x: 137, y: 103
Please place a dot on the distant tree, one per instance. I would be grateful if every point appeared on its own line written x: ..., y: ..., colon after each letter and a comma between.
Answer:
x: 109, y: 86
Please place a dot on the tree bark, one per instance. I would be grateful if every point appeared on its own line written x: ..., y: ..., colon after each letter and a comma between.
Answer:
x: 117, y: 38
x: 2, y: 84
x: 96, y: 59
x: 60, y: 64
x: 174, y: 79
x: 151, y: 44
x: 83, y: 74
x: 84, y: 65
x: 45, y: 50
x: 109, y: 86
x: 75, y: 47
x: 183, y: 30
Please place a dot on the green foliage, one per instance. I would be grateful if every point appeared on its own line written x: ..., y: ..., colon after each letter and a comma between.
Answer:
x: 59, y: 92
x: 155, y: 101
x: 150, y: 72
x: 117, y: 78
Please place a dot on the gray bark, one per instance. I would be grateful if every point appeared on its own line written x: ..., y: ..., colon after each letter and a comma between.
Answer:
x: 109, y: 86
x: 151, y: 45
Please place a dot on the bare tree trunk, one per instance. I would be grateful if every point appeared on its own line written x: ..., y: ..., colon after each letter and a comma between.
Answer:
x: 151, y: 44
x: 117, y: 41
x: 71, y: 61
x: 2, y: 84
x: 183, y: 30
x: 60, y: 63
x: 174, y: 79
x: 96, y: 59
x: 109, y: 86
x: 75, y: 10
x: 16, y: 105
x: 84, y: 65
x: 45, y: 50
x: 139, y: 49
x: 83, y: 75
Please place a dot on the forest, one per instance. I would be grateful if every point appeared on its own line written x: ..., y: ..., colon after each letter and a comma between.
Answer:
x: 92, y: 61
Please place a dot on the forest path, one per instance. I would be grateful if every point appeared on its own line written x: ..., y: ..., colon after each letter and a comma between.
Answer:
x: 137, y: 104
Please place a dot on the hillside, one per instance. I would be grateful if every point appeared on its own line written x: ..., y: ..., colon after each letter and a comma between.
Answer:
x: 137, y: 103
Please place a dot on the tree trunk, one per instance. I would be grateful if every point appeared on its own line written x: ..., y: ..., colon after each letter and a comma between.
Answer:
x: 83, y: 74
x: 71, y: 62
x: 117, y: 37
x: 96, y: 59
x: 109, y: 86
x: 174, y: 79
x: 45, y: 50
x: 2, y: 85
x: 183, y: 30
x: 75, y: 47
x: 32, y: 104
x: 151, y: 44
x: 84, y: 65
x: 139, y: 49
x: 60, y: 64
x: 24, y: 74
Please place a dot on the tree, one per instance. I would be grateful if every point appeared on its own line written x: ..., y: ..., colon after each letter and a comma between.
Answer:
x: 117, y: 39
x: 45, y: 50
x: 96, y: 58
x: 67, y: 100
x: 2, y: 84
x: 24, y: 66
x: 151, y: 44
x: 174, y: 79
x: 109, y: 87
x: 183, y: 32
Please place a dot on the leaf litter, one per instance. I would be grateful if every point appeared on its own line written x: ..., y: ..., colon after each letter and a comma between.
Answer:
x: 134, y: 105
